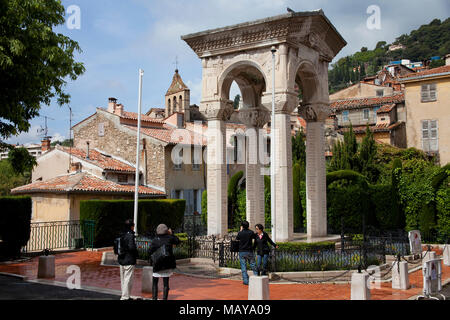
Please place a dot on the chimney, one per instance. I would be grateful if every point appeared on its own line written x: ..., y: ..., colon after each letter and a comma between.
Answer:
x: 119, y: 110
x: 87, y: 150
x: 447, y: 59
x: 45, y: 144
x: 112, y: 104
x: 75, y: 167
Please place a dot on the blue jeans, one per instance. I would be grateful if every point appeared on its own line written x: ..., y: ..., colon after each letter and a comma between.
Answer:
x: 243, y: 258
x: 264, y: 259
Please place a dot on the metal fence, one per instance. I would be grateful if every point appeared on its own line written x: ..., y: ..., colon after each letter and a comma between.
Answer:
x: 354, y: 255
x: 60, y: 235
x: 193, y: 226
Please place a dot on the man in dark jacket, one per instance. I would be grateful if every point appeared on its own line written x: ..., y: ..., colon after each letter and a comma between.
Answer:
x: 127, y: 260
x: 246, y: 237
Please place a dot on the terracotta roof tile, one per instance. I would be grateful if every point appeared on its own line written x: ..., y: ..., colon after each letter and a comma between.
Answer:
x: 169, y: 135
x: 104, y: 161
x: 429, y: 72
x: 177, y: 84
x: 386, y: 108
x: 383, y: 127
x: 81, y: 182
x: 346, y: 104
x: 134, y: 116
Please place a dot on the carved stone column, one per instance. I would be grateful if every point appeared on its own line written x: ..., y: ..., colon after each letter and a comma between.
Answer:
x: 283, y: 177
x: 254, y: 119
x: 316, y: 189
x: 217, y: 112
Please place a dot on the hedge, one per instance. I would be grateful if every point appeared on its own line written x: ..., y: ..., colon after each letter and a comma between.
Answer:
x: 109, y: 216
x: 300, y: 246
x: 15, y: 224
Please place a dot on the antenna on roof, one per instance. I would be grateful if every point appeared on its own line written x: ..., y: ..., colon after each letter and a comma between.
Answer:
x: 44, y: 131
x: 70, y: 138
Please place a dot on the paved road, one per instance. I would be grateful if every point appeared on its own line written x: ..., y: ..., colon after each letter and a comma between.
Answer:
x: 16, y: 289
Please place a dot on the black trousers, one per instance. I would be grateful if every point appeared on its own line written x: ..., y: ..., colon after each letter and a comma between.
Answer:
x: 155, y: 287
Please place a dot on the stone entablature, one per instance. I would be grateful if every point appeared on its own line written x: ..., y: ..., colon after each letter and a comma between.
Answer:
x: 310, y: 28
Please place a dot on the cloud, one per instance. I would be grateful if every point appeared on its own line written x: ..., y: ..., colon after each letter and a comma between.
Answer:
x: 32, y: 136
x: 57, y: 137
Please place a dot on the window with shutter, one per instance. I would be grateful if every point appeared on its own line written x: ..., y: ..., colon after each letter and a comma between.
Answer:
x: 430, y: 135
x: 428, y: 92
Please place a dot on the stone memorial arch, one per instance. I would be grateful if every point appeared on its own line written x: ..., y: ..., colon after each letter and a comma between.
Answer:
x: 305, y: 44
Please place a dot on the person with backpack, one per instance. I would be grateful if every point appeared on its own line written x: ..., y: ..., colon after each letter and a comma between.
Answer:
x: 246, y: 237
x: 125, y: 247
x: 262, y: 248
x: 163, y: 259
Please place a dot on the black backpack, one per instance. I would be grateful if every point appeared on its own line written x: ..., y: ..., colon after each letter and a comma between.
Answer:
x: 161, y: 255
x: 118, y: 246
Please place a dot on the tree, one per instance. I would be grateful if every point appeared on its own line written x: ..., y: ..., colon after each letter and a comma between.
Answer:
x: 367, y: 154
x: 236, y: 101
x: 299, y: 147
x: 34, y: 61
x: 21, y: 160
x: 9, y: 179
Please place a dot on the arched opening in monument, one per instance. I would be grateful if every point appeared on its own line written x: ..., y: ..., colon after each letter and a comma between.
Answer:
x: 306, y: 87
x: 247, y: 81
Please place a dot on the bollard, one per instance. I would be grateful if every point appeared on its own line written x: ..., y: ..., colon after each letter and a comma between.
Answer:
x: 147, y: 279
x: 400, y: 275
x: 46, y: 267
x: 258, y: 288
x: 431, y: 255
x: 446, y: 254
x: 360, y: 286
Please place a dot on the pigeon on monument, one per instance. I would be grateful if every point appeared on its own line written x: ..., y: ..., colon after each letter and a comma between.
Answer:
x: 290, y: 10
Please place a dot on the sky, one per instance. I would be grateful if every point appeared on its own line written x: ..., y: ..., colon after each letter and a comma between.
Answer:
x: 119, y: 37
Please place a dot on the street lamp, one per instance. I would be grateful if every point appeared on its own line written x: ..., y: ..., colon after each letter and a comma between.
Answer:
x: 136, y: 179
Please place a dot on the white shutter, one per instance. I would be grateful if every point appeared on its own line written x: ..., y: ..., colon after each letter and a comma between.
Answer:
x: 424, y: 92
x: 425, y: 136
x: 434, y: 135
x: 432, y: 92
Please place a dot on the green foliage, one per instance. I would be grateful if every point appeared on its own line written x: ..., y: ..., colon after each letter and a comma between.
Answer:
x: 299, y: 148
x: 9, y: 179
x: 109, y: 216
x: 345, y: 155
x: 236, y: 101
x: 366, y: 156
x: 15, y: 219
x: 241, y: 208
x: 21, y: 160
x: 35, y: 62
x: 232, y: 195
x: 382, y: 204
x: 443, y: 207
x: 298, y: 209
x: 421, y: 44
x: 397, y: 208
x: 416, y: 191
x: 267, y: 203
x: 205, y: 207
x: 298, y: 246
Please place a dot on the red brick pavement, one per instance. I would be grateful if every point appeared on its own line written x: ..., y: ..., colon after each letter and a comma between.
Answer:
x: 192, y: 288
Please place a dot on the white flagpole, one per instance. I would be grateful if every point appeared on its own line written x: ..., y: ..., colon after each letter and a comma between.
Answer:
x: 272, y: 153
x: 138, y: 147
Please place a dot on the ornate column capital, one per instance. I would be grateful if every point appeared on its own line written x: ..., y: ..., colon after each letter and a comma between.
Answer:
x: 217, y: 109
x: 314, y: 112
x: 255, y: 116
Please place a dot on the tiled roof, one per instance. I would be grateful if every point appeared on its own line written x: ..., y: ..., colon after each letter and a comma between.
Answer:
x: 177, y: 84
x: 104, y: 161
x: 346, y: 104
x: 383, y: 127
x: 429, y: 72
x: 167, y: 134
x: 81, y: 182
x: 134, y: 116
x: 386, y: 108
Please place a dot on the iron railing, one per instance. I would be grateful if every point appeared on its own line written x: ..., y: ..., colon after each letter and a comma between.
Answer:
x: 193, y: 226
x: 60, y: 235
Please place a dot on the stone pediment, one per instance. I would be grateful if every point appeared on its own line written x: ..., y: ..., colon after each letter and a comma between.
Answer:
x: 312, y: 29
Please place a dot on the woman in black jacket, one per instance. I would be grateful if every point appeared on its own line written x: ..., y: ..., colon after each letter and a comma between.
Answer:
x: 163, y: 267
x: 262, y: 248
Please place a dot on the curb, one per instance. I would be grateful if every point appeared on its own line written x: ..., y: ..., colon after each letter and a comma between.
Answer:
x: 12, y: 275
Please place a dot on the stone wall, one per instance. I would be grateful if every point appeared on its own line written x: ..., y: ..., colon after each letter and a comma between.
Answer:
x: 120, y: 141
